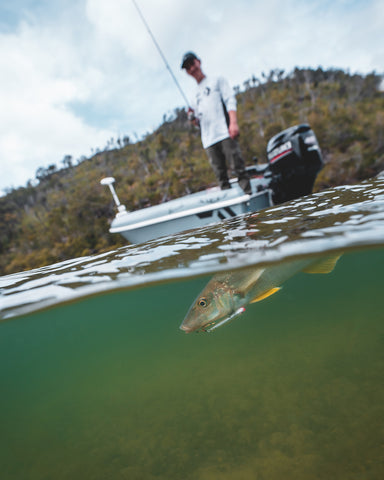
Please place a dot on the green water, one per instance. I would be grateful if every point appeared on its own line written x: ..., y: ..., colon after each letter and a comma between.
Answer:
x: 110, y: 388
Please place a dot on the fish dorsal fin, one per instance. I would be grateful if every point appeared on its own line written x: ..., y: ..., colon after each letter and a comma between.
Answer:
x: 325, y: 265
x: 266, y: 294
x: 245, y: 280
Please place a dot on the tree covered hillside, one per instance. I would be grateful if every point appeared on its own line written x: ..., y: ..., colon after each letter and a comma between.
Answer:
x: 67, y: 213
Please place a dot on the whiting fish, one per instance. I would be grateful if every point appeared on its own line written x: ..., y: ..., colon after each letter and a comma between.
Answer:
x: 227, y: 294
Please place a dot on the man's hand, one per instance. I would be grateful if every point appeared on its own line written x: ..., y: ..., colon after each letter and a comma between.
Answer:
x: 233, y: 128
x: 192, y: 118
x: 191, y: 114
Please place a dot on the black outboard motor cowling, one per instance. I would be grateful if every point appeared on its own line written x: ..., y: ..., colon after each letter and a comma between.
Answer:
x: 294, y: 159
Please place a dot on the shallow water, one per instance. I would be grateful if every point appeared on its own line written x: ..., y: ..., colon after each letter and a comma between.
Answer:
x: 107, y: 386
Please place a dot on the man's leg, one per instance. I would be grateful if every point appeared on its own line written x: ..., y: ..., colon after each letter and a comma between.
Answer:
x: 217, y: 161
x: 236, y: 163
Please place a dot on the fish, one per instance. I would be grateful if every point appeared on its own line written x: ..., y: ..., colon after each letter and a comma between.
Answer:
x: 227, y: 294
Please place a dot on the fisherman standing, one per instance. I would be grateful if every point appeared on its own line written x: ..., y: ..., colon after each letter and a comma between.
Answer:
x: 215, y: 112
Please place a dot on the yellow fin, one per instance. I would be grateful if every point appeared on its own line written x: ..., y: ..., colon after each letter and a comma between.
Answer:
x: 325, y: 265
x: 266, y: 294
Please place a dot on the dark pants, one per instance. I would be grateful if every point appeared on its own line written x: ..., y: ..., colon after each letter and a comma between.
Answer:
x: 227, y: 153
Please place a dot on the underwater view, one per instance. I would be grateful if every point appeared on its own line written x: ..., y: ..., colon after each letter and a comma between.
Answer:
x: 249, y: 349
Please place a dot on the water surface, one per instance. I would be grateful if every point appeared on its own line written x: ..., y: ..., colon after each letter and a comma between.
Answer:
x: 107, y: 386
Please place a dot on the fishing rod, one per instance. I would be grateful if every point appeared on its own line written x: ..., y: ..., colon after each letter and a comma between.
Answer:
x: 161, y: 53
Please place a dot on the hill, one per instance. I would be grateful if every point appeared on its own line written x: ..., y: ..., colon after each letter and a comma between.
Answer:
x: 66, y: 214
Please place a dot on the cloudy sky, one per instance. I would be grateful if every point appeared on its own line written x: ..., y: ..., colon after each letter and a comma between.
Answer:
x: 75, y: 73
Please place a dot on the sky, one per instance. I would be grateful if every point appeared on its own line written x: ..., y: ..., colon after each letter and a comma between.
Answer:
x: 76, y: 73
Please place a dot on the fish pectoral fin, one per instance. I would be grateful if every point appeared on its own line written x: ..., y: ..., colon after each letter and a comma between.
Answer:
x: 266, y: 294
x: 325, y: 265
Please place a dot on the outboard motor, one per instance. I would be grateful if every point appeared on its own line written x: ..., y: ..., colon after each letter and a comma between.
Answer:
x: 294, y: 160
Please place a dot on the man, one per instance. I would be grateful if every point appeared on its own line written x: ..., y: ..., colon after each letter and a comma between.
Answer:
x: 215, y: 111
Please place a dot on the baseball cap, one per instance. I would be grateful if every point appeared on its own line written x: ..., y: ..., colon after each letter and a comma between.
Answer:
x: 188, y: 58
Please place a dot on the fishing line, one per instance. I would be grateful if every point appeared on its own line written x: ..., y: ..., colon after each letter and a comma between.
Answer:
x: 161, y: 53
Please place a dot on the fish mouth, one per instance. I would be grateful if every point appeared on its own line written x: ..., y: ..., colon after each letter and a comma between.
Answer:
x: 186, y: 328
x: 202, y: 328
x: 213, y: 325
x: 207, y: 327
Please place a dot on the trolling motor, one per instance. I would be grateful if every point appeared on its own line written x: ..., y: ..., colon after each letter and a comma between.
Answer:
x: 109, y: 181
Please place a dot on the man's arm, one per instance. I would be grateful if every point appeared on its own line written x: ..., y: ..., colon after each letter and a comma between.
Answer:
x: 229, y: 100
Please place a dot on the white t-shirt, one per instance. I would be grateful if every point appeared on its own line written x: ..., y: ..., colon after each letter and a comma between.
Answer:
x: 211, y: 93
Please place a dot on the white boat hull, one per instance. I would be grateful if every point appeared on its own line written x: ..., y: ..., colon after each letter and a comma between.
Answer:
x: 192, y: 211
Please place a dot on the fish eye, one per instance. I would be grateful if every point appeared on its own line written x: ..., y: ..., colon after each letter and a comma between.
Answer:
x: 202, y: 302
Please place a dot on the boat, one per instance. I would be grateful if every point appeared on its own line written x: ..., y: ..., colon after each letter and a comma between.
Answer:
x: 294, y: 160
